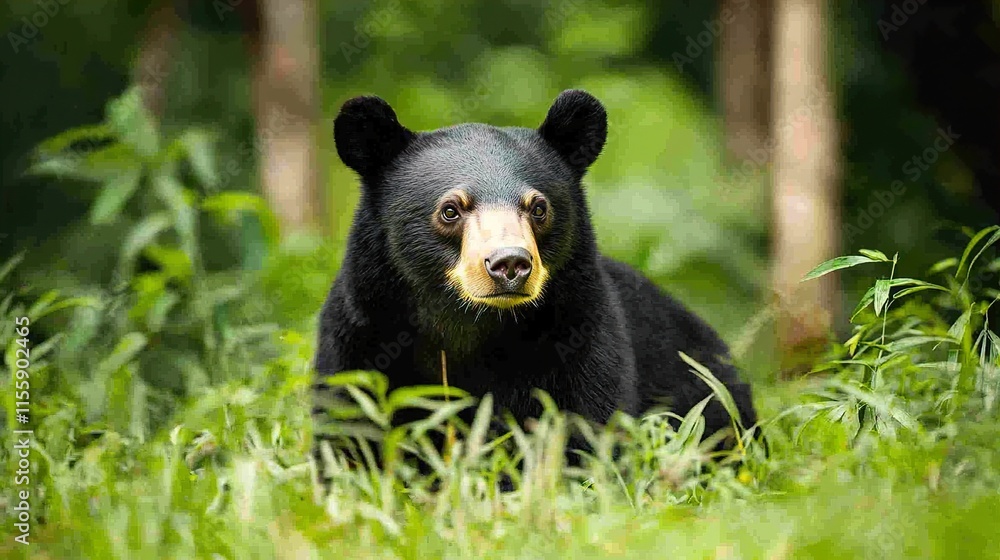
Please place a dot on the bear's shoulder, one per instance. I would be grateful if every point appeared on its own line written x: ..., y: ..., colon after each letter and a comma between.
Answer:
x: 656, y: 316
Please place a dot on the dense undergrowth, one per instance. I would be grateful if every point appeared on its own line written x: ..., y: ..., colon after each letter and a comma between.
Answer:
x: 170, y: 409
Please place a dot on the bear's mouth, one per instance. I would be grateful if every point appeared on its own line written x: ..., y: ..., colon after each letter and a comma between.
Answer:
x: 506, y: 295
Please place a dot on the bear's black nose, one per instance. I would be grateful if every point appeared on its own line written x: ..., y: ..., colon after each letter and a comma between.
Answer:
x: 509, y: 267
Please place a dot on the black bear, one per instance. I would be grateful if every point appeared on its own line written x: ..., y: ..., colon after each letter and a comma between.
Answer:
x: 476, y: 241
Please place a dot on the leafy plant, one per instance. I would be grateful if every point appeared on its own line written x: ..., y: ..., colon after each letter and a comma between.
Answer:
x: 905, y: 367
x: 167, y: 324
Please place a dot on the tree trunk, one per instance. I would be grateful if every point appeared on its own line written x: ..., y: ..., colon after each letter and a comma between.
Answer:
x: 286, y: 107
x: 806, y: 176
x: 744, y: 58
x: 155, y: 56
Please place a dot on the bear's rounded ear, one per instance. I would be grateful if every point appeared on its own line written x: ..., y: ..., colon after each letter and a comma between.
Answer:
x: 368, y: 135
x: 577, y: 127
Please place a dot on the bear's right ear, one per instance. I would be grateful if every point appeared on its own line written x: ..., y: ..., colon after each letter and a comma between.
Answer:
x: 577, y: 127
x: 368, y: 135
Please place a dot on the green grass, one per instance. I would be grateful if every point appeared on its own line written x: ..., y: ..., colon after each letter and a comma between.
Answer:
x: 902, y: 467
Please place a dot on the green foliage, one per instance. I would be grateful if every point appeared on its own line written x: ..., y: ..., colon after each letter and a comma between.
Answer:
x: 906, y: 366
x: 159, y: 330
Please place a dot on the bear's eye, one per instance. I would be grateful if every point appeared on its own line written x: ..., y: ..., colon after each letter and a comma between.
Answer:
x: 538, y: 210
x: 449, y: 213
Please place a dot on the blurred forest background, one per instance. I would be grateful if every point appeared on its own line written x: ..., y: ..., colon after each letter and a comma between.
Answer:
x: 749, y: 141
x: 172, y: 213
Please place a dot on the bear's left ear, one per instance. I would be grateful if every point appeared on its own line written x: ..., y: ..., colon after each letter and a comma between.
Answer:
x: 368, y: 135
x: 577, y: 127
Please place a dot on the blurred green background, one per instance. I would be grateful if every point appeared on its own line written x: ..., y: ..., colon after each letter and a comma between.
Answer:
x: 174, y: 309
x: 664, y: 195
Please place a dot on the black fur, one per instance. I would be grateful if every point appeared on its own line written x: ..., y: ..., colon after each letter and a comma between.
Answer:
x: 577, y: 127
x: 601, y: 338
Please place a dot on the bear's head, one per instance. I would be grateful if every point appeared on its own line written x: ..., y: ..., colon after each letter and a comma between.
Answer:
x: 477, y: 215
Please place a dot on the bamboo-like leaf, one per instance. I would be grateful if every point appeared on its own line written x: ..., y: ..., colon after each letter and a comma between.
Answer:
x: 913, y: 341
x: 874, y: 254
x: 946, y: 367
x: 866, y: 300
x: 942, y: 265
x: 64, y: 140
x: 837, y: 264
x: 477, y: 433
x: 717, y: 387
x: 915, y: 289
x: 133, y: 124
x: 10, y: 264
x: 172, y: 193
x: 82, y: 301
x: 228, y: 204
x: 114, y: 195
x: 437, y: 418
x: 144, y: 233
x: 693, y: 423
x: 881, y: 295
x: 418, y: 394
x: 852, y: 343
x: 369, y: 406
x: 376, y: 383
x: 957, y: 330
x: 124, y: 352
x: 39, y: 307
x: 881, y: 405
x: 972, y: 245
x: 198, y: 147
